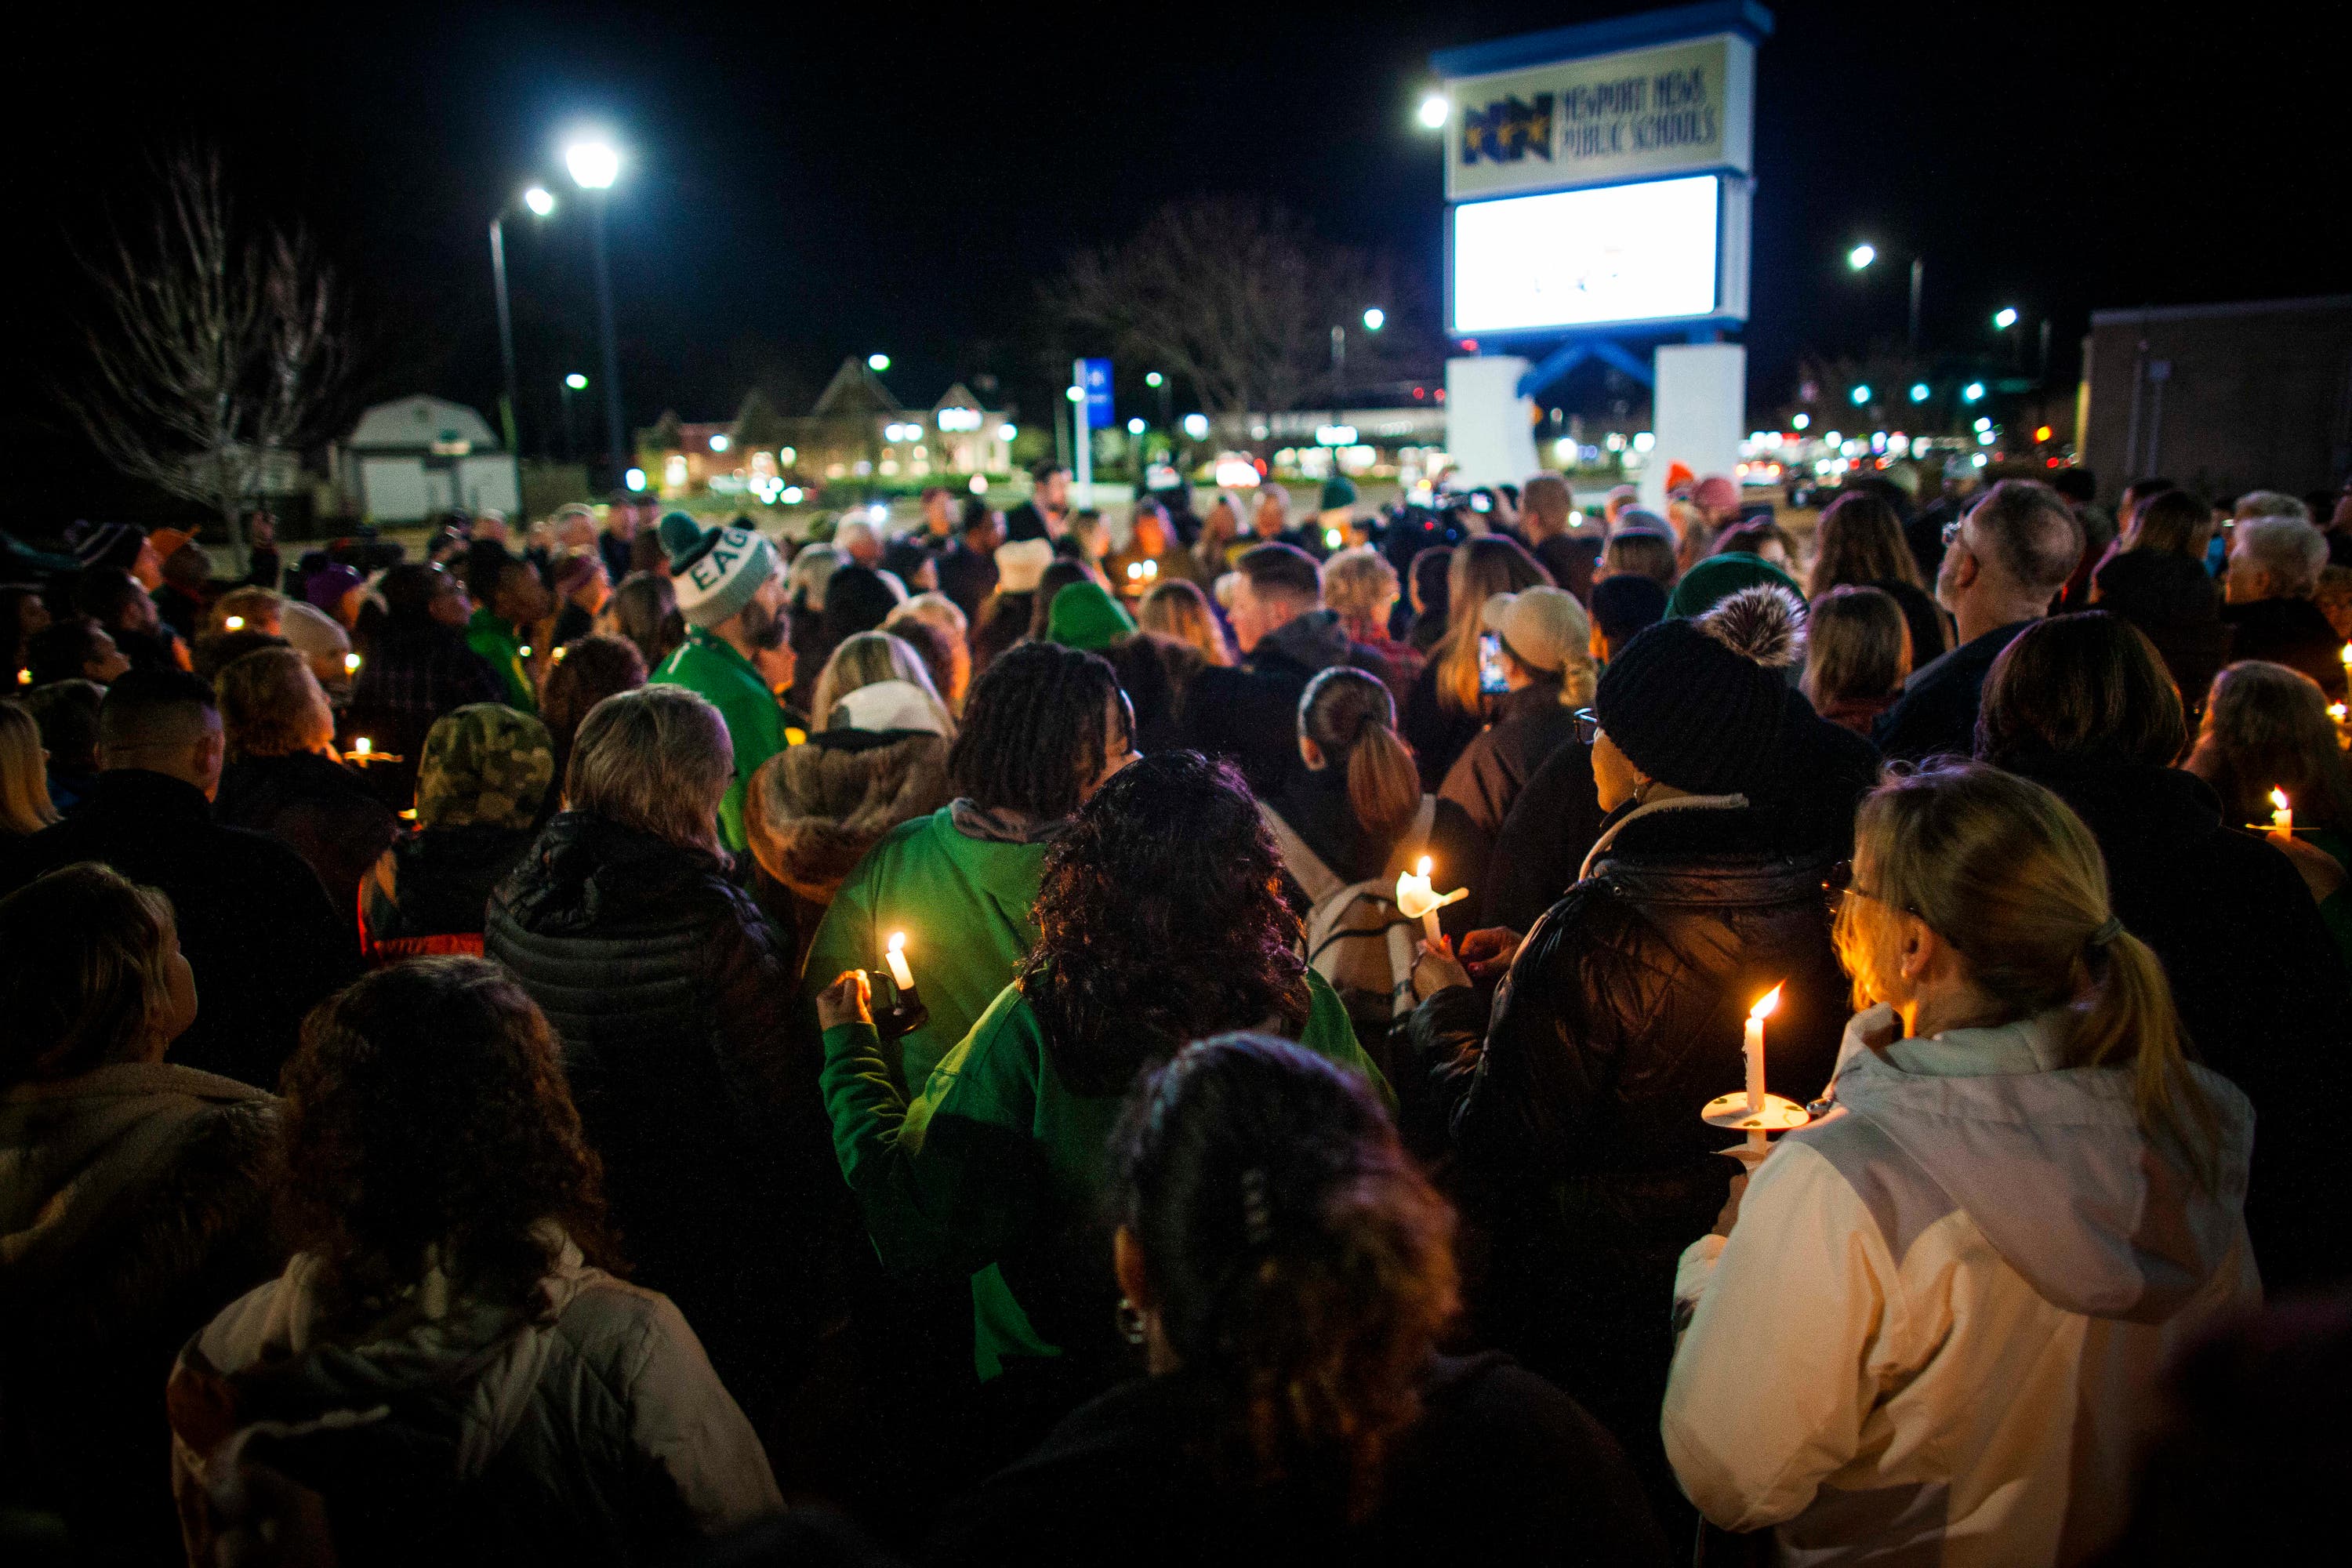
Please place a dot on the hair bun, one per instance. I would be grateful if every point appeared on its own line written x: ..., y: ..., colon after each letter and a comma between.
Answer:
x: 1765, y: 623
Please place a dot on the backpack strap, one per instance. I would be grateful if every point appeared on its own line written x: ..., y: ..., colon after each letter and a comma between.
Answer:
x: 1414, y: 842
x: 1316, y: 879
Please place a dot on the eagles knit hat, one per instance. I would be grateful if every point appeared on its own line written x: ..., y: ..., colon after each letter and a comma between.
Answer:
x: 1085, y: 616
x: 713, y: 571
x: 485, y: 765
x: 1718, y: 577
x: 1701, y: 704
x: 1543, y: 628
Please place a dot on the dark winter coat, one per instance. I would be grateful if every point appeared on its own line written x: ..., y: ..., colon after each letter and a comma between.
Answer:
x: 255, y: 925
x: 673, y: 997
x: 812, y: 811
x: 430, y: 891
x: 2256, y: 979
x: 131, y: 1208
x: 321, y: 807
x: 1484, y: 781
x: 1936, y: 714
x: 2291, y: 632
x: 1250, y: 712
x: 1437, y: 733
x: 416, y: 670
x: 1806, y: 807
x: 1500, y: 1467
x: 1576, y: 1126
x: 2171, y: 599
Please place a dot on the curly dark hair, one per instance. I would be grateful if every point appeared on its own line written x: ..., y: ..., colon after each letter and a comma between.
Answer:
x: 1035, y: 730
x: 1160, y: 919
x: 1297, y: 1259
x: 426, y: 1109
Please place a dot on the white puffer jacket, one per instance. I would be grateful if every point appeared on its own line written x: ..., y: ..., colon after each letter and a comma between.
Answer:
x: 589, y: 1429
x: 1932, y: 1332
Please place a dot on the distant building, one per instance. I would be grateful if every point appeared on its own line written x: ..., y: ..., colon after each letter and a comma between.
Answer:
x: 408, y: 459
x: 2219, y: 398
x: 856, y: 431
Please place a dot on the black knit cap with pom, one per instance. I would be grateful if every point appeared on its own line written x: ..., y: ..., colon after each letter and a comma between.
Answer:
x: 1701, y: 705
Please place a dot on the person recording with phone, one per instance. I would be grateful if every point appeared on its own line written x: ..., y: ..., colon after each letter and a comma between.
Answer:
x: 1535, y: 665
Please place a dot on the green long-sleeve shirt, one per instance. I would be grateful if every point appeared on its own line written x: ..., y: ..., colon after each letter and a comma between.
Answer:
x: 995, y: 1149
x: 708, y: 665
x: 967, y: 907
x: 501, y: 646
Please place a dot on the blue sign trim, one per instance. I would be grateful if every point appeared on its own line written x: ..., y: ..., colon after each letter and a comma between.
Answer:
x: 1745, y: 17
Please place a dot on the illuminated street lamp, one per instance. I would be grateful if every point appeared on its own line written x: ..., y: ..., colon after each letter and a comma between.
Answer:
x: 878, y: 363
x: 2004, y: 317
x: 1861, y: 394
x: 575, y: 381
x: 595, y: 164
x: 539, y: 204
x: 1973, y: 392
x: 1918, y: 392
x: 1861, y: 255
x: 1153, y: 378
x: 1375, y: 319
x: 1435, y: 112
x: 1196, y: 427
x: 1135, y: 426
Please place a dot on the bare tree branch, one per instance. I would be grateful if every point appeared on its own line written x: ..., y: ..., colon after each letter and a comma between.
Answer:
x: 211, y: 354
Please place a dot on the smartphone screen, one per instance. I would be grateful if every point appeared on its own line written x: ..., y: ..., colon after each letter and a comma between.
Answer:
x: 1490, y: 665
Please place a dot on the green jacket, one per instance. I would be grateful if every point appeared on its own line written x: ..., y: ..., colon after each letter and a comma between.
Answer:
x: 996, y: 1152
x: 709, y: 666
x: 500, y: 647
x: 967, y: 906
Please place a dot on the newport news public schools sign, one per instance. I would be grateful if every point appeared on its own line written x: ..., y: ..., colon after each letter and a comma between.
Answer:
x: 1633, y: 115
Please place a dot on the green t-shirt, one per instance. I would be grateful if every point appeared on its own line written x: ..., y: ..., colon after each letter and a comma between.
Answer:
x: 995, y: 1147
x: 500, y: 647
x: 709, y: 666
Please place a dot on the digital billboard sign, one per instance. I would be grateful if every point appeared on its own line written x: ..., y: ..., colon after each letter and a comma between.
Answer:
x: 1655, y: 251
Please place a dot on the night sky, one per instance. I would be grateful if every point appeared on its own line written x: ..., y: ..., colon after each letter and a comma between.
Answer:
x: 810, y: 182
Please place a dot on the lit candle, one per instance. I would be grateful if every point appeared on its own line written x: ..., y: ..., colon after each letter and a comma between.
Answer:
x: 1754, y: 1046
x: 901, y: 976
x: 1150, y: 570
x: 363, y: 746
x: 2282, y: 816
x: 235, y: 624
x: 351, y: 664
x: 25, y: 677
x: 1416, y: 900
x: 1135, y: 571
x: 524, y: 650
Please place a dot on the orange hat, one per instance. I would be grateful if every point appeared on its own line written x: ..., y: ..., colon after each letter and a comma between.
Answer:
x: 1678, y: 475
x: 169, y: 541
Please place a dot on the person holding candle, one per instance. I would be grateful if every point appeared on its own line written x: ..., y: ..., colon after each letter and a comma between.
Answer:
x: 1930, y: 1324
x: 993, y: 1169
x: 2084, y: 706
x: 1574, y: 1104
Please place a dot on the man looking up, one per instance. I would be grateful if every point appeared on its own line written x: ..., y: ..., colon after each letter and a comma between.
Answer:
x: 2003, y: 562
x: 737, y: 653
x: 253, y: 921
x: 1250, y: 712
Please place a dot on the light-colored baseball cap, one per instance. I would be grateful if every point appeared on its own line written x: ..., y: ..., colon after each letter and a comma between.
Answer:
x: 1545, y: 629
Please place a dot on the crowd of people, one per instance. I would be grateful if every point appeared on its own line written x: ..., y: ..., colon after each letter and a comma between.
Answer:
x: 641, y: 1041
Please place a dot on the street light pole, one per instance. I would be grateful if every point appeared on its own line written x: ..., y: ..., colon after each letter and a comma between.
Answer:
x: 1919, y: 277
x: 506, y: 337
x: 595, y: 166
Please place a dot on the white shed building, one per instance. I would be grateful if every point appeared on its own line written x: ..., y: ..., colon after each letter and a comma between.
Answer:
x: 408, y: 459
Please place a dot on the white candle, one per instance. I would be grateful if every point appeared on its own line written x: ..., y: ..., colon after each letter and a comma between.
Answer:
x: 901, y: 976
x: 1754, y: 1048
x: 363, y: 746
x: 2282, y: 815
x: 1418, y: 901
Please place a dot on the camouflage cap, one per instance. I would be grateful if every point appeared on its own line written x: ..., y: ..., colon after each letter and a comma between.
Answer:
x: 485, y: 764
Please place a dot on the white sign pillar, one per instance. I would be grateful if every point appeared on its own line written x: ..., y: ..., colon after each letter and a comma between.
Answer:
x: 1489, y: 429
x: 1698, y: 412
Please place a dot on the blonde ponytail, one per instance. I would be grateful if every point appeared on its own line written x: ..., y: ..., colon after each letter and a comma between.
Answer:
x: 1383, y: 784
x: 2131, y: 1018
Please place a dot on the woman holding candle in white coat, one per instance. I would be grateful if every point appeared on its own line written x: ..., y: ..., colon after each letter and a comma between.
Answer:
x: 1933, y: 1328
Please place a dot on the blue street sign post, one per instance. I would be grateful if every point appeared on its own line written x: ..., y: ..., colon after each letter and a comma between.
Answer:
x: 1090, y: 410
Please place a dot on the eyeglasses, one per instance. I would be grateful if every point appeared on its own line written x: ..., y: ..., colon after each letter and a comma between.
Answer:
x: 1587, y: 726
x: 1952, y: 531
x: 1837, y: 886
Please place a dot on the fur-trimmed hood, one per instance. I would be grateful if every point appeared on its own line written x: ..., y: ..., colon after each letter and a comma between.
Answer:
x: 813, y: 810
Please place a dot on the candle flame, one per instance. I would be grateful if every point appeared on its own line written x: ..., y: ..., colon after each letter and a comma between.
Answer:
x: 1421, y: 868
x: 363, y: 745
x: 234, y: 623
x: 2278, y: 799
x: 1765, y: 1003
x: 2347, y: 655
x: 350, y: 663
x: 897, y: 941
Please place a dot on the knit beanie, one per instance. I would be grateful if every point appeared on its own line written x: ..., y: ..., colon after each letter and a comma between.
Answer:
x: 1701, y: 704
x: 326, y: 585
x: 714, y: 572
x: 1020, y: 564
x: 856, y: 599
x: 1718, y: 577
x: 1339, y: 493
x: 1086, y: 618
x: 1626, y: 603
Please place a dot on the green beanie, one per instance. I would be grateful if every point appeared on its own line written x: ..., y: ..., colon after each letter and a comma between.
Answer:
x: 713, y: 572
x: 1085, y: 616
x: 1718, y: 577
x: 1338, y: 491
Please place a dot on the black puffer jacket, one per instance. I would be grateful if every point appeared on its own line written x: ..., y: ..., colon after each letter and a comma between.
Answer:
x: 1580, y: 1151
x: 672, y: 995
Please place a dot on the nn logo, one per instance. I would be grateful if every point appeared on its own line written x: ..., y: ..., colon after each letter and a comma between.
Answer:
x: 1508, y: 129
